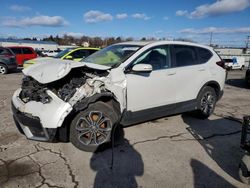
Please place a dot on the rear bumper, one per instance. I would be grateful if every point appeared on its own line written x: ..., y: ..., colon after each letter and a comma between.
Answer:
x: 38, y: 121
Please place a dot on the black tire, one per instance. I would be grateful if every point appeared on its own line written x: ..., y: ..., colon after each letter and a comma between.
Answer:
x: 242, y: 67
x: 93, y: 126
x: 244, y: 171
x: 207, y: 99
x: 3, y: 69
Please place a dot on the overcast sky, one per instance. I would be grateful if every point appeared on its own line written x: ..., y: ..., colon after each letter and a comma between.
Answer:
x: 228, y: 20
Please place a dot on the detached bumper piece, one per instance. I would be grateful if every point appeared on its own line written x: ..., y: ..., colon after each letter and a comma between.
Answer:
x: 31, y: 127
x: 245, y: 134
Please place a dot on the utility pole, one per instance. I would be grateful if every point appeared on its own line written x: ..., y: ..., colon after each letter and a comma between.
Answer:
x: 247, y: 41
x: 211, y: 38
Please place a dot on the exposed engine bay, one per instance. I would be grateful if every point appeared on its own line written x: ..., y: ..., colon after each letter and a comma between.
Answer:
x: 65, y: 88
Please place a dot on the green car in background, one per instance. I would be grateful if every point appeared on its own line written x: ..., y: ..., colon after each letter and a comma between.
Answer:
x: 75, y: 54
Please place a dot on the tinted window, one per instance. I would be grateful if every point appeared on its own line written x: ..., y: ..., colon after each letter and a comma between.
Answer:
x: 158, y: 57
x: 92, y: 51
x: 228, y: 60
x: 27, y: 51
x: 185, y: 55
x: 79, y: 54
x: 4, y: 51
x: 203, y: 54
x: 16, y: 50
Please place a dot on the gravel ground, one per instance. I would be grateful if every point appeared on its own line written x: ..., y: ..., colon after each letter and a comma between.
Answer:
x: 177, y: 151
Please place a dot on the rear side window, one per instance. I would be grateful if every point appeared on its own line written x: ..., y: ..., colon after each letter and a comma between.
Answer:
x: 4, y: 51
x: 204, y: 55
x: 185, y: 55
x: 27, y: 51
x: 16, y: 50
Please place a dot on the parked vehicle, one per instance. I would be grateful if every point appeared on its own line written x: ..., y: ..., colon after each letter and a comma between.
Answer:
x: 51, y: 53
x: 23, y: 53
x: 40, y: 54
x: 7, y: 60
x: 75, y: 54
x: 125, y: 83
x: 247, y: 76
x: 235, y: 63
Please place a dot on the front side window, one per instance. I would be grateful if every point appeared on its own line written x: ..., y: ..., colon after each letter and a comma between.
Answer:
x: 78, y: 54
x: 158, y: 57
x: 185, y: 55
x: 27, y: 51
x: 92, y: 51
x: 113, y: 55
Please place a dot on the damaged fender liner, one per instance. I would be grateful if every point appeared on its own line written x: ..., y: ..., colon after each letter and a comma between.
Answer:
x: 83, y: 104
x: 63, y: 131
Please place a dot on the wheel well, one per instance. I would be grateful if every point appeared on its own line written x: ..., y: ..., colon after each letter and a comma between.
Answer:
x: 214, y: 85
x: 63, y: 131
x: 3, y: 63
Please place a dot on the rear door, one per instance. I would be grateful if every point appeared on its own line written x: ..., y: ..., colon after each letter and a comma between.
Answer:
x: 192, y: 71
x: 28, y: 54
x: 18, y: 52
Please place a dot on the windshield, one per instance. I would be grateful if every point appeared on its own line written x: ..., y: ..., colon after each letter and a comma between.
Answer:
x: 112, y: 56
x: 62, y: 53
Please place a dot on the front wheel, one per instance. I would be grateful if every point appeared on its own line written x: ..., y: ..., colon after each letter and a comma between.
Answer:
x: 206, y: 102
x: 93, y: 126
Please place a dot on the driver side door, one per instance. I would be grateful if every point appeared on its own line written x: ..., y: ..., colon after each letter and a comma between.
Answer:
x: 149, y: 90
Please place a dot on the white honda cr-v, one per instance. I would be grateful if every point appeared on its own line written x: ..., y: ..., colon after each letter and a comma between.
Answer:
x: 125, y: 83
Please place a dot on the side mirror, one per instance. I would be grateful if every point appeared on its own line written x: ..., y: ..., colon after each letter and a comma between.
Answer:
x: 69, y: 57
x: 142, y: 68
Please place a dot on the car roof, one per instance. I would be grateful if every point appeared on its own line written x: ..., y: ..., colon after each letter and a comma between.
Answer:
x: 162, y: 42
x: 19, y: 47
x: 85, y: 48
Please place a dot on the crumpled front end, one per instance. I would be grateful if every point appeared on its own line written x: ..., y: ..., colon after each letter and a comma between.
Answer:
x: 40, y: 108
x: 39, y: 121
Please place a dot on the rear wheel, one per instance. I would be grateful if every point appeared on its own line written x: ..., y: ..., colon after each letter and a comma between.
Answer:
x: 242, y: 67
x: 3, y: 69
x: 206, y: 102
x: 93, y: 126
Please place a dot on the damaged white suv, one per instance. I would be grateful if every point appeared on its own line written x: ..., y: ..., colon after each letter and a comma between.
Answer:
x: 127, y: 83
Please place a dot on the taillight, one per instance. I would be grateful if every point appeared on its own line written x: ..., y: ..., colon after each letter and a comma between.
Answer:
x: 221, y: 64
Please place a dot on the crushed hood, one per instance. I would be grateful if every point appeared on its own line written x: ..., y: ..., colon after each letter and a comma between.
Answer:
x: 51, y: 70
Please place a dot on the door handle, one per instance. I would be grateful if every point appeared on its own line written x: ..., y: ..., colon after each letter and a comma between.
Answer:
x: 171, y: 73
x: 201, y: 69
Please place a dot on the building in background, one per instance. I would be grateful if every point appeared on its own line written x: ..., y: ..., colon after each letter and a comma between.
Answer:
x: 40, y: 45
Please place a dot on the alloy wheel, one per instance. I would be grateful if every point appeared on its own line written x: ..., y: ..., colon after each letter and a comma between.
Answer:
x: 93, y: 129
x: 207, y: 103
x: 2, y: 69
